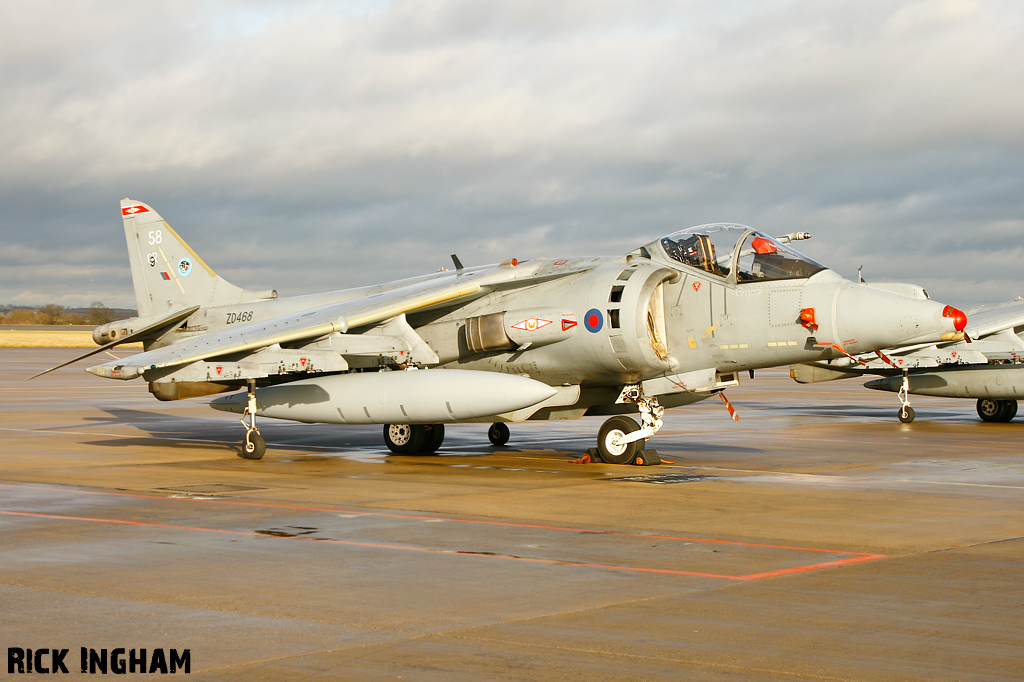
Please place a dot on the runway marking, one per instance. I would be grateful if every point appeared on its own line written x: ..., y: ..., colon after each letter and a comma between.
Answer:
x: 851, y: 557
x: 490, y: 555
x: 373, y: 545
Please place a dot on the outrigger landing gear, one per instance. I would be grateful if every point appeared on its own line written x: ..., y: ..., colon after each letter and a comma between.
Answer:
x: 498, y: 433
x: 253, y: 447
x: 620, y: 439
x: 906, y: 413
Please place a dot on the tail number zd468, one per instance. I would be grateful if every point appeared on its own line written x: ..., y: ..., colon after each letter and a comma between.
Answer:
x: 245, y: 316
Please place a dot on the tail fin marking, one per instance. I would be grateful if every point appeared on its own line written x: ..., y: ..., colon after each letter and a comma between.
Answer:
x: 167, y: 273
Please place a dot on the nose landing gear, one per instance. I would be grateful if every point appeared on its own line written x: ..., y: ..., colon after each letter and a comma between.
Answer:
x: 621, y: 439
x: 612, y: 445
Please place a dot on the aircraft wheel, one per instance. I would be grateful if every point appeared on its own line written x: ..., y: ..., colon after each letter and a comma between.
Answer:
x: 498, y: 434
x: 435, y: 436
x: 997, y: 410
x: 405, y: 439
x: 990, y: 410
x: 611, y: 430
x: 906, y: 416
x: 253, y: 447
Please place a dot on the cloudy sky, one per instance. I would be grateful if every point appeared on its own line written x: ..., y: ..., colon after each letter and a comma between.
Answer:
x: 316, y: 145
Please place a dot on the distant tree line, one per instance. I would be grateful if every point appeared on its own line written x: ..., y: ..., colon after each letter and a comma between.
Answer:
x: 51, y: 313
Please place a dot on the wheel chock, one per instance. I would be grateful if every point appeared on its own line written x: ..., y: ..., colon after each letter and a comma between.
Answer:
x: 647, y: 458
x: 644, y: 458
x: 592, y: 455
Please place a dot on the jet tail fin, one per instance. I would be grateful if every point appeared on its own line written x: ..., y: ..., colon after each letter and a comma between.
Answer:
x: 167, y: 274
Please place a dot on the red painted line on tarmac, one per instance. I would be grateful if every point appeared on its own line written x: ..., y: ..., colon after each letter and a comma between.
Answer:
x: 814, y: 567
x: 420, y: 517
x: 852, y: 557
x: 374, y: 545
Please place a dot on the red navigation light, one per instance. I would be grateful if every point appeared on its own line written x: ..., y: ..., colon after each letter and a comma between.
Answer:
x: 959, y: 318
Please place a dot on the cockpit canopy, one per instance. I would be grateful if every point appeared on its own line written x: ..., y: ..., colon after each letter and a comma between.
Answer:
x: 735, y: 252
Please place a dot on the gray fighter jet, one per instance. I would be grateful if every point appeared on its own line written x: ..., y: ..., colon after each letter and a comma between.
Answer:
x: 671, y: 323
x: 986, y: 365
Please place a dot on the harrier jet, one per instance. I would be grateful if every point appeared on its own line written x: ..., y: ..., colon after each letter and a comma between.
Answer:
x: 673, y: 322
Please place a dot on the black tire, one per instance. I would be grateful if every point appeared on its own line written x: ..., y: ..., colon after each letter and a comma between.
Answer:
x: 498, y: 434
x: 253, y: 447
x: 405, y: 439
x: 435, y: 436
x: 906, y: 416
x: 997, y: 410
x: 613, y: 454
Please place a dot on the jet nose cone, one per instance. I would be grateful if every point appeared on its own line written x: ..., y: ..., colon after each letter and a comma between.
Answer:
x: 870, y: 319
x: 958, y: 317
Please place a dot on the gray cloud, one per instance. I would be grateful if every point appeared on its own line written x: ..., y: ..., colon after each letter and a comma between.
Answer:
x: 314, y: 145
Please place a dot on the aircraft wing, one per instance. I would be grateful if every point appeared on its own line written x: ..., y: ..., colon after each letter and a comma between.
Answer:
x: 297, y: 326
x: 990, y: 336
x: 991, y: 319
x: 157, y: 327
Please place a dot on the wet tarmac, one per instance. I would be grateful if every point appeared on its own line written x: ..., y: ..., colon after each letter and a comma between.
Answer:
x: 816, y: 539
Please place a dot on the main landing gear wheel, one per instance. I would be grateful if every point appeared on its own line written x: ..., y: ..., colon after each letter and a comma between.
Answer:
x: 435, y: 436
x: 498, y: 434
x: 997, y: 410
x: 609, y: 444
x: 906, y: 414
x: 405, y: 439
x: 254, y: 446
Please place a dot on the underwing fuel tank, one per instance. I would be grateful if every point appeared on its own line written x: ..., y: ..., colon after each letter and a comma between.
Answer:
x: 427, y: 396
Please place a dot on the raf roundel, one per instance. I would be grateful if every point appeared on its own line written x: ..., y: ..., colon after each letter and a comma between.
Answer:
x: 593, y: 320
x: 184, y: 267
